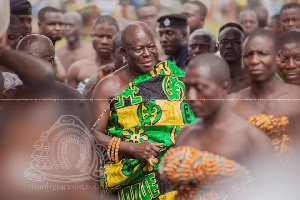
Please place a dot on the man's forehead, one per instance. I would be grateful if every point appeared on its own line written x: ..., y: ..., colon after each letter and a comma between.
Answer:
x: 204, y: 38
x: 290, y: 45
x: 230, y: 32
x: 247, y: 15
x: 259, y: 41
x: 24, y: 16
x: 53, y: 15
x: 291, y: 10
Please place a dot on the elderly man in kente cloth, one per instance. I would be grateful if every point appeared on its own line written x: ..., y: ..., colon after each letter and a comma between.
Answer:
x: 139, y: 110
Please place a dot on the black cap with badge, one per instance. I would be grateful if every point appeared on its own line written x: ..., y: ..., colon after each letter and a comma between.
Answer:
x: 172, y: 20
x: 20, y: 7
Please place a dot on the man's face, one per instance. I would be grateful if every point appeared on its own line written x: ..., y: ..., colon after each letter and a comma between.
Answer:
x: 195, y: 20
x: 26, y: 24
x: 277, y: 30
x: 148, y: 15
x: 13, y: 36
x: 101, y: 39
x: 141, y: 51
x: 53, y: 26
x: 259, y: 58
x: 288, y: 61
x: 199, y: 88
x: 200, y: 44
x: 72, y: 29
x: 172, y: 40
x: 290, y: 19
x: 230, y: 48
x: 249, y: 22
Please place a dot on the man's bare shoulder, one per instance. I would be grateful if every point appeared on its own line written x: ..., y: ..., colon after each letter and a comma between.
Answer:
x: 196, y: 126
x: 83, y: 63
x: 111, y: 85
x: 234, y: 98
x: 291, y: 91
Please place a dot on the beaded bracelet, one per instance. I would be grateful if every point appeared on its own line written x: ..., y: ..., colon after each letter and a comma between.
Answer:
x: 109, y: 147
x: 117, y: 150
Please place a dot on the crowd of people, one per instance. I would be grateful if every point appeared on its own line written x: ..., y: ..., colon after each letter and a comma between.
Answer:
x: 160, y: 108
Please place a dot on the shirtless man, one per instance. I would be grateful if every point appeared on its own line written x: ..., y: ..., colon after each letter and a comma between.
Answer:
x: 103, y: 30
x: 51, y: 25
x: 290, y: 16
x: 231, y: 38
x: 248, y: 20
x: 207, y: 81
x: 288, y: 60
x: 196, y: 12
x: 259, y: 103
x: 105, y: 70
x: 259, y: 57
x: 75, y: 49
x: 207, y: 77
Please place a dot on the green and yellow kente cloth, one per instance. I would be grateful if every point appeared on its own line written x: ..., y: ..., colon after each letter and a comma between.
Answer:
x: 151, y: 108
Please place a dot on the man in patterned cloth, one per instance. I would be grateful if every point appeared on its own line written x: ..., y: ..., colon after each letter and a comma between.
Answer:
x: 140, y: 109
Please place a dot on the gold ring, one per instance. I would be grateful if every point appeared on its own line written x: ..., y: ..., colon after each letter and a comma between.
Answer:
x: 152, y: 161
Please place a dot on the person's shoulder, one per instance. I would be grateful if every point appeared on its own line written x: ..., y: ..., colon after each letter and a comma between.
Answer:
x: 108, y: 86
x: 82, y: 63
x: 292, y: 90
x: 234, y: 98
x: 187, y: 130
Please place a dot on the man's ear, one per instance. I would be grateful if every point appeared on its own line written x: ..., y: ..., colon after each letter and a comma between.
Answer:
x: 186, y: 34
x: 122, y: 51
x: 278, y: 57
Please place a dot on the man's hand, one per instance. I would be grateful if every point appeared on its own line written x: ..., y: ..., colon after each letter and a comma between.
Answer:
x: 143, y: 151
x: 105, y: 70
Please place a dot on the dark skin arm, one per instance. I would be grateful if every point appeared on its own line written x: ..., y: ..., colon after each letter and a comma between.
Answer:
x: 103, y: 92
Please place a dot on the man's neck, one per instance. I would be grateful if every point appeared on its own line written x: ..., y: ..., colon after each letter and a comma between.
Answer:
x: 236, y: 70
x: 266, y: 89
x: 73, y: 45
x: 102, y: 60
x: 176, y: 56
x: 217, y: 117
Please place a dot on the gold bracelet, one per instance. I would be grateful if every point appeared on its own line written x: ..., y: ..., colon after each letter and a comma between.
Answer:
x: 109, y: 147
x: 112, y: 157
x: 117, y: 150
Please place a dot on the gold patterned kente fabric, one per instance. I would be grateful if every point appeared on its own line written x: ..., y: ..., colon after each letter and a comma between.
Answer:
x: 152, y: 108
x: 204, y: 175
x: 275, y: 128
